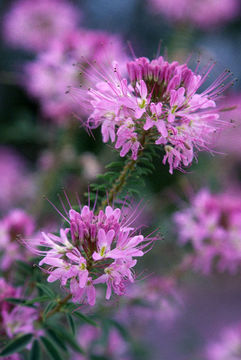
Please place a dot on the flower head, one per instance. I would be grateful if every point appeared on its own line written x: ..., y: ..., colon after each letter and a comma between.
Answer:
x: 34, y: 24
x: 95, y: 248
x: 55, y: 70
x: 161, y: 104
x: 212, y: 224
x: 17, y: 224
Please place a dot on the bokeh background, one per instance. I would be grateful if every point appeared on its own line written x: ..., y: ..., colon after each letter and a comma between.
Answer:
x: 40, y: 155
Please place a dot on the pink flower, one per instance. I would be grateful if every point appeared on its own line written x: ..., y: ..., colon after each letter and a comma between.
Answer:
x: 212, y: 224
x: 104, y: 241
x: 204, y: 14
x: 34, y: 24
x: 115, y: 276
x: 227, y: 346
x: 15, y: 226
x: 20, y: 320
x: 127, y: 139
x: 155, y: 120
x: 80, y: 293
x: 159, y: 104
x: 95, y: 248
x: 49, y: 77
x: 15, y: 181
x: 14, y: 319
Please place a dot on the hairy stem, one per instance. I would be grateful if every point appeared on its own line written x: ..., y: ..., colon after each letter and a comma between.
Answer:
x: 125, y: 173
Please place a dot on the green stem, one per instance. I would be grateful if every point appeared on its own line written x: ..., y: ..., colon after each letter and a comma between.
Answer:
x: 58, y: 307
x: 124, y: 175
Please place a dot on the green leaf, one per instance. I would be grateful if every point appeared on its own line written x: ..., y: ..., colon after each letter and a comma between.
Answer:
x: 17, y: 344
x: 35, y: 352
x: 71, y: 323
x: 58, y: 341
x: 51, y: 348
x: 114, y: 164
x: 99, y: 186
x: 38, y: 299
x: 46, y: 290
x: 67, y: 337
x: 85, y: 318
x: 106, y: 175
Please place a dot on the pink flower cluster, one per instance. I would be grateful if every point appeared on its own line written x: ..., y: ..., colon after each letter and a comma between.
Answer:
x: 89, y: 338
x: 15, y: 181
x: 49, y: 76
x: 16, y: 225
x: 228, y: 346
x: 15, y: 319
x: 94, y: 249
x: 213, y: 226
x: 159, y: 104
x: 203, y: 14
x: 34, y: 24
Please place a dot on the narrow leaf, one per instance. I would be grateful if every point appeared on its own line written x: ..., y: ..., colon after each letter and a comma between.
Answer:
x: 46, y: 290
x: 17, y: 344
x: 55, y: 337
x: 51, y: 348
x: 20, y: 302
x: 35, y: 352
x: 71, y: 323
x: 38, y: 299
x: 114, y: 164
x: 67, y: 337
x: 85, y: 318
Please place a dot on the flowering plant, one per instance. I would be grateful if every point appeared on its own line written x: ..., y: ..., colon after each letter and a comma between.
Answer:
x: 93, y: 277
